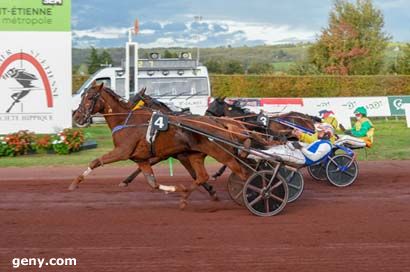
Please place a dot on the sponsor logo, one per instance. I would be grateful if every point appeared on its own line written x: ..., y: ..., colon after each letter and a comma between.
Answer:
x: 26, y: 76
x: 398, y: 103
x: 53, y: 2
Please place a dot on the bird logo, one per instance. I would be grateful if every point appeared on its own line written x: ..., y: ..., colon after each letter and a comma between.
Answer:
x: 25, y: 79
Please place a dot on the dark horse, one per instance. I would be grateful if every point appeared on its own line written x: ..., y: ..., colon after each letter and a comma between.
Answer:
x: 129, y: 137
x: 219, y: 107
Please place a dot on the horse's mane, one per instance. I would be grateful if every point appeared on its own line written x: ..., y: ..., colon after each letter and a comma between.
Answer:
x: 123, y: 103
x: 158, y: 103
x: 236, y: 105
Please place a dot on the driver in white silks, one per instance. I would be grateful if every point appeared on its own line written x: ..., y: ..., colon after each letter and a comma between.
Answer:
x: 299, y: 153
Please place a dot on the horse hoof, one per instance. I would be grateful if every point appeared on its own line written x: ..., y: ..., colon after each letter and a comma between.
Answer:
x: 123, y: 184
x: 213, y: 178
x: 72, y: 187
x: 183, y: 204
x: 215, y: 197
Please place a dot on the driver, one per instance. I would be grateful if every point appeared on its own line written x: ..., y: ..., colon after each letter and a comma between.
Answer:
x: 361, y: 135
x: 299, y: 153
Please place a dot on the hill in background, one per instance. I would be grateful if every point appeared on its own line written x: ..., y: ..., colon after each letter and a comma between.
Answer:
x: 281, y: 57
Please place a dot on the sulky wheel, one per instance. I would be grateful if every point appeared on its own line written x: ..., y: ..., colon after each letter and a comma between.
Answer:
x: 342, y: 170
x: 235, y: 187
x: 295, y: 182
x: 317, y: 171
x: 263, y: 200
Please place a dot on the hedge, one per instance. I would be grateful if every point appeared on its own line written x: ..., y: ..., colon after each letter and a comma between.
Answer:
x: 308, y: 86
x: 300, y: 86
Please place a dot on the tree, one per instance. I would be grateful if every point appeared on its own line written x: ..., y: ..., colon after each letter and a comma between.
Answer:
x: 260, y: 68
x: 233, y: 67
x: 105, y: 57
x: 302, y: 69
x: 168, y: 54
x: 93, y: 61
x: 403, y: 63
x: 354, y: 41
x: 214, y: 66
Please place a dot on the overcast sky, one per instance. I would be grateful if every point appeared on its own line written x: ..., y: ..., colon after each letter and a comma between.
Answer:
x: 168, y: 23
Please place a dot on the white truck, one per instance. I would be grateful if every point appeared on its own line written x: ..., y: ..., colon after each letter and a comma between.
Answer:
x: 178, y: 82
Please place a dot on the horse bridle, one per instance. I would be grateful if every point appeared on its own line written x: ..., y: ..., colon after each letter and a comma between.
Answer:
x: 88, y: 113
x: 212, y: 113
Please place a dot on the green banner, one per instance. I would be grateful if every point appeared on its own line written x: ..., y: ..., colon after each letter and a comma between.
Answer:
x: 396, y: 104
x: 35, y: 15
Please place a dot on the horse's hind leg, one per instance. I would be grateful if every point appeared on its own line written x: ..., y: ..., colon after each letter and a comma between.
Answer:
x: 198, y: 163
x: 130, y: 178
x: 184, y: 159
x: 134, y: 174
x: 219, y: 172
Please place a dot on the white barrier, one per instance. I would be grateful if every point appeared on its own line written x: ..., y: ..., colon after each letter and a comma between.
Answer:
x: 343, y: 107
x: 407, y: 111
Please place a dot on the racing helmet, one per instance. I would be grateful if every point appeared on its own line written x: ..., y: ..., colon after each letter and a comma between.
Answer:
x: 326, y: 128
x: 361, y: 110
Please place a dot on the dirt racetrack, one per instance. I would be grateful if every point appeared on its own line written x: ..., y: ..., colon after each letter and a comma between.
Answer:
x: 365, y: 227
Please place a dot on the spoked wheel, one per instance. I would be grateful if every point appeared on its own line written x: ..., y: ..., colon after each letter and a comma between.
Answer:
x: 295, y: 182
x: 263, y: 200
x: 318, y: 171
x: 235, y: 187
x: 342, y: 170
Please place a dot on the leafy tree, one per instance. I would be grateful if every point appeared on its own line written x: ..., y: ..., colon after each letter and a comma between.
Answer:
x: 303, y: 68
x: 214, y: 66
x: 105, y: 57
x: 403, y: 63
x: 280, y: 55
x: 168, y: 54
x: 93, y: 61
x: 233, y: 67
x: 354, y: 41
x: 260, y: 68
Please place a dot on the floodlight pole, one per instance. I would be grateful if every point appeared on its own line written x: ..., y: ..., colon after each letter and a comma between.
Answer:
x: 198, y: 19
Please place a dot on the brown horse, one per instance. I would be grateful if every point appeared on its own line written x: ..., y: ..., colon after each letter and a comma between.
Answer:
x: 129, y: 137
x: 219, y: 107
x: 141, y: 100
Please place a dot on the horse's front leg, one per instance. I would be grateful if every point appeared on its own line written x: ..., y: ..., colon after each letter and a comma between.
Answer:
x: 117, y: 154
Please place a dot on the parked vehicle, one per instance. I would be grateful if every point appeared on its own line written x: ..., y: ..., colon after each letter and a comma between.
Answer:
x: 178, y: 82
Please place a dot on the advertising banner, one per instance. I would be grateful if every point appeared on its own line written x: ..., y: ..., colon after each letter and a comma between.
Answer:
x: 35, y: 65
x: 343, y: 107
x: 396, y: 104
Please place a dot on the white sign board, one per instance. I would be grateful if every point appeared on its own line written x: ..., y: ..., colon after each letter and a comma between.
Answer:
x: 343, y: 107
x: 407, y: 111
x: 35, y: 67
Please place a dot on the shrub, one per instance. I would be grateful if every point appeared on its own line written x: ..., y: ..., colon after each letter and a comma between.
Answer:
x: 23, y: 142
x: 18, y: 143
x: 308, y: 86
x: 68, y: 140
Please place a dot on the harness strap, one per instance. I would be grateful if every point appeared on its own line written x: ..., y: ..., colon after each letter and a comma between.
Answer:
x: 120, y: 127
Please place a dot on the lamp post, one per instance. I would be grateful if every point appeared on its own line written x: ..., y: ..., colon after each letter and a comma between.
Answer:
x: 198, y: 19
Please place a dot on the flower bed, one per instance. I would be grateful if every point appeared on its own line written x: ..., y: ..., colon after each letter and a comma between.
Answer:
x: 25, y: 142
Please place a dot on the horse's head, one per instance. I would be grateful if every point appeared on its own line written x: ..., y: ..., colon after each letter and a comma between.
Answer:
x: 140, y: 99
x: 217, y: 107
x: 90, y: 104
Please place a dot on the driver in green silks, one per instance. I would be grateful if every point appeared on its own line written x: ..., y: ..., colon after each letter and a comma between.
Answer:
x: 362, y: 131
